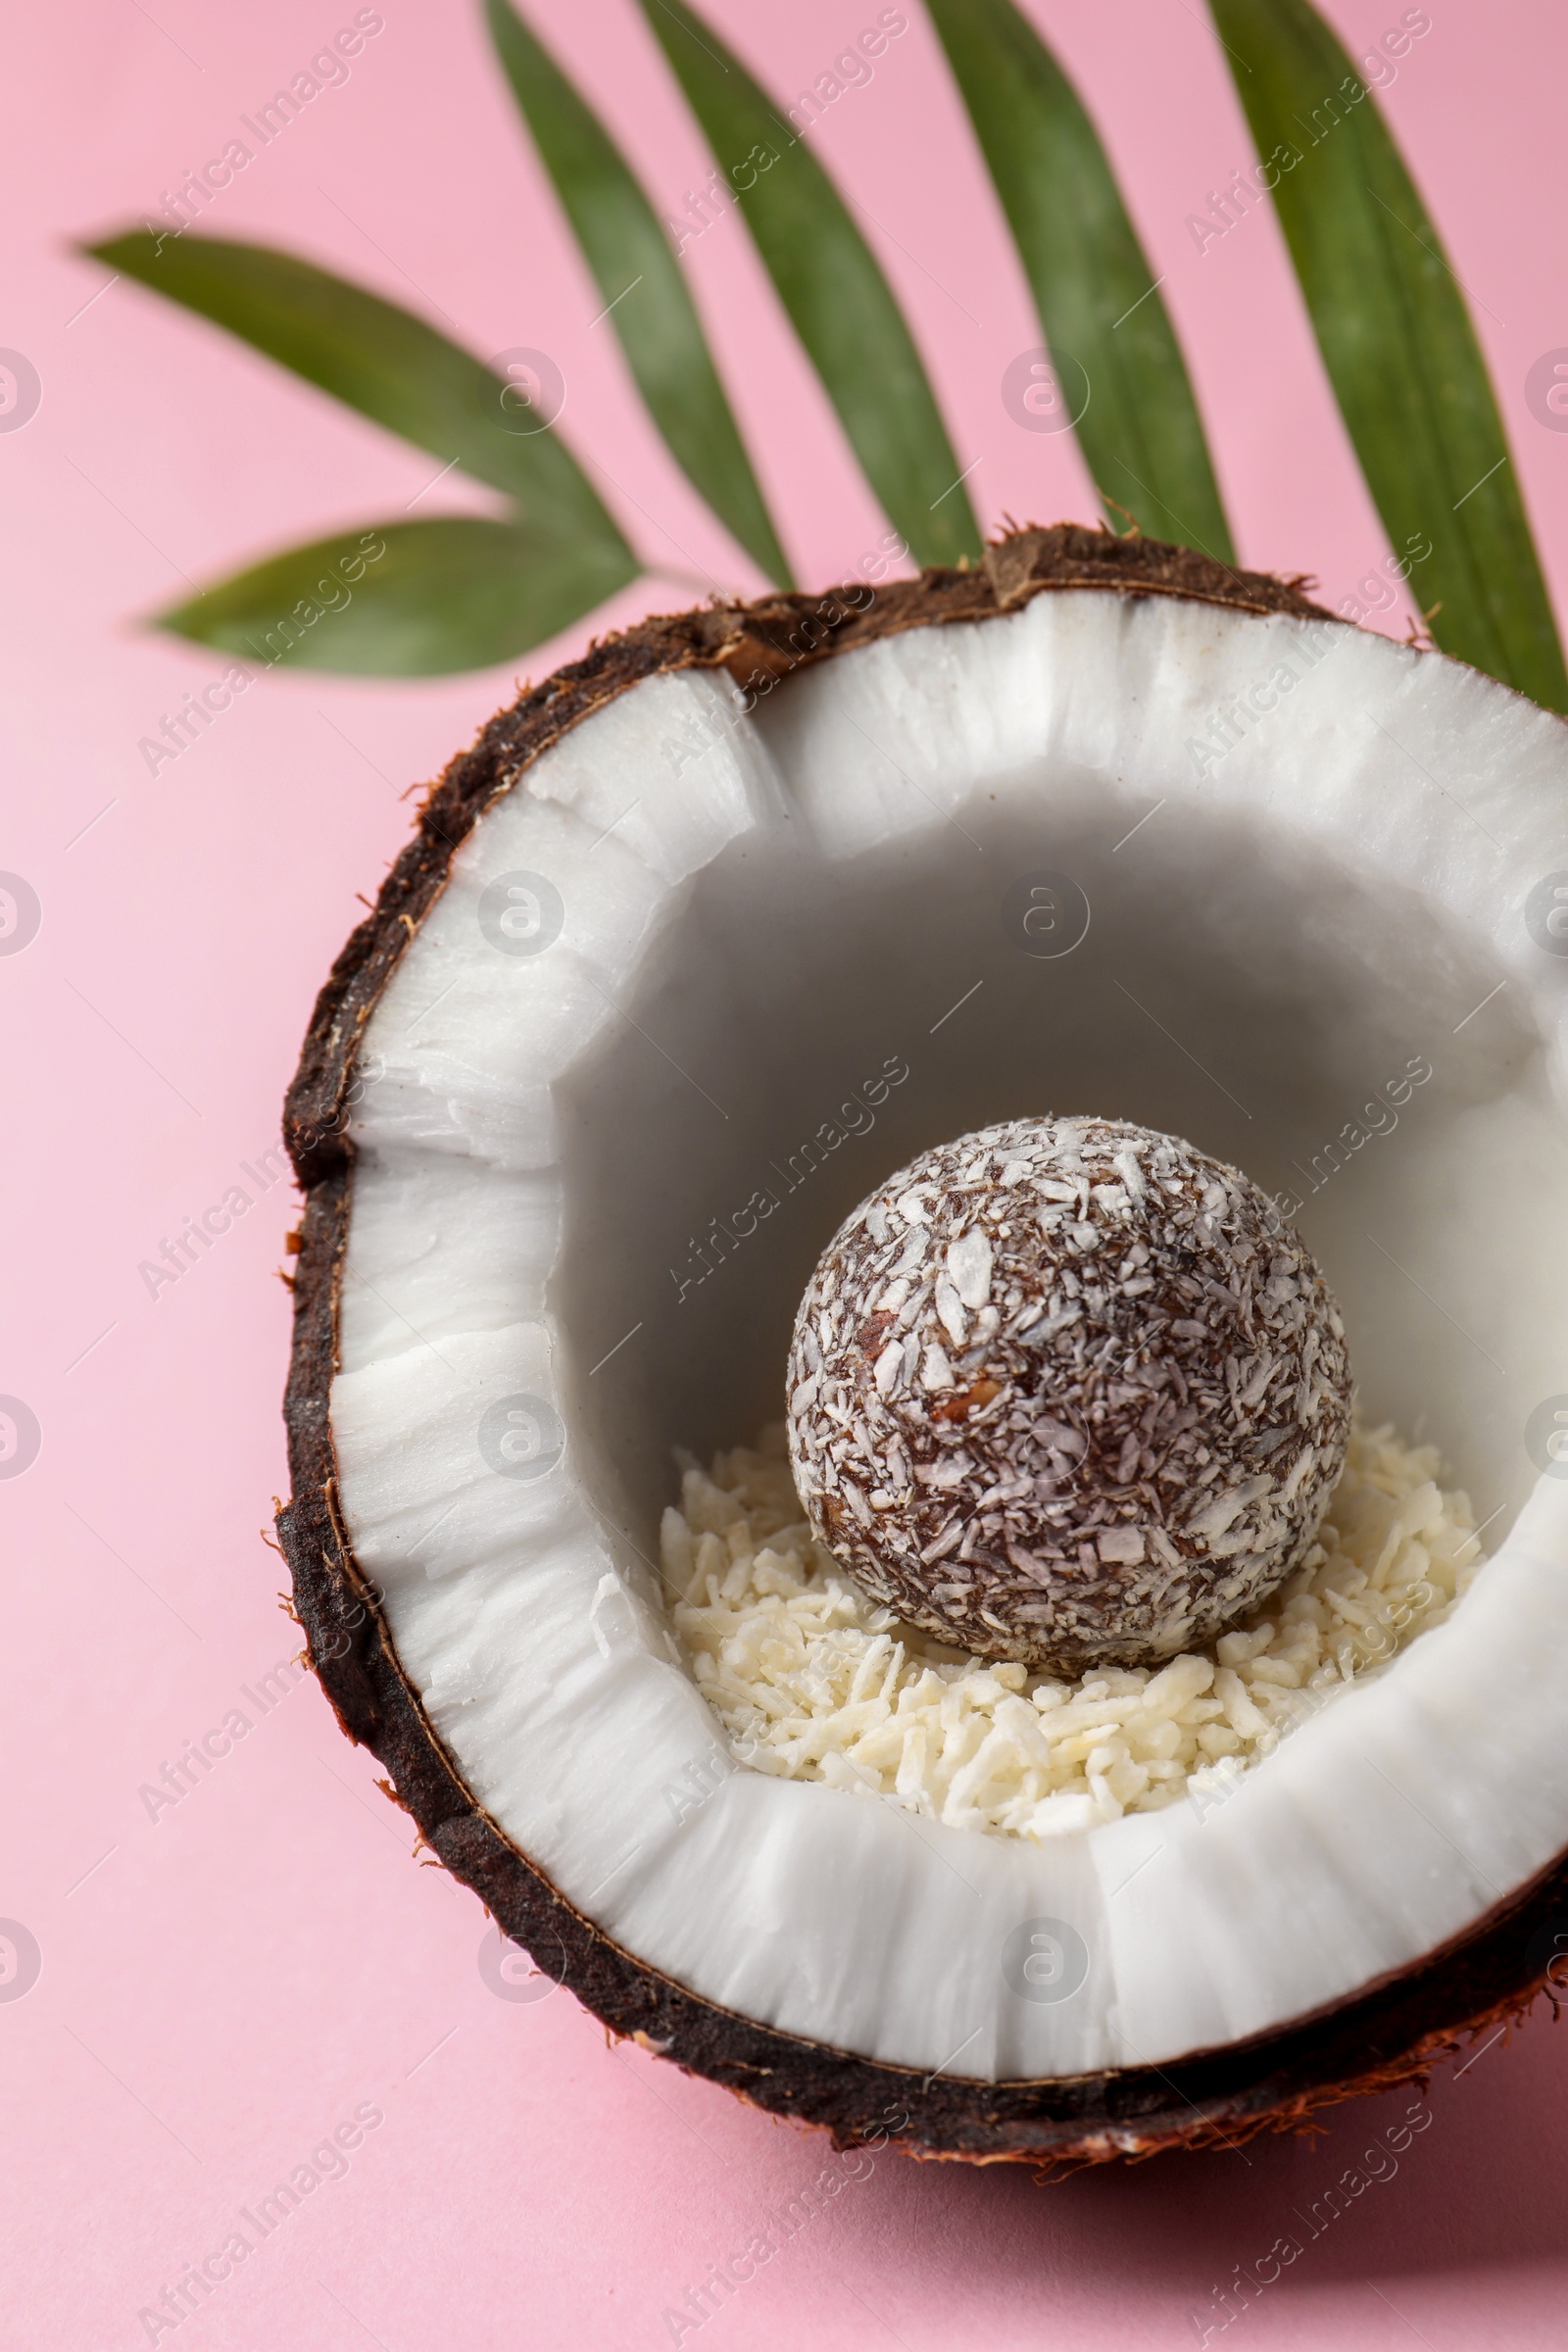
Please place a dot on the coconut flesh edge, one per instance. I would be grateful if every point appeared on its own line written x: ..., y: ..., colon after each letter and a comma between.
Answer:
x: 763, y: 913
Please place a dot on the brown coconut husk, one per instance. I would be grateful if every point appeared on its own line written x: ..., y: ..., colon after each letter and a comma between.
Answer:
x: 1386, y: 2034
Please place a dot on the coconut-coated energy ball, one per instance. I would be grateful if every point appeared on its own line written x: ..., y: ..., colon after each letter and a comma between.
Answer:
x: 1067, y: 1391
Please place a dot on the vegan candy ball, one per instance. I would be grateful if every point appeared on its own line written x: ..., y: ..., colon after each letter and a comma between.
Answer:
x: 1068, y: 1391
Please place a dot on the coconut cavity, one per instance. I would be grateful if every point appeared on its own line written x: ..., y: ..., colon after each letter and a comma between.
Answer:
x: 1067, y: 1390
x: 780, y: 954
x: 811, y: 1680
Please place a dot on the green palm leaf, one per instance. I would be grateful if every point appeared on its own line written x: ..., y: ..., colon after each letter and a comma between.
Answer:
x: 838, y: 300
x: 1093, y: 287
x: 378, y: 360
x: 406, y: 599
x: 1398, y: 343
x: 651, y: 308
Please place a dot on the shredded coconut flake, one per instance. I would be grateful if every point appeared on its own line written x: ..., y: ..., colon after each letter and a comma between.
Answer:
x: 811, y: 1680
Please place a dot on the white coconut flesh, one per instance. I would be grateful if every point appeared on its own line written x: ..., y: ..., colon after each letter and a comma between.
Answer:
x: 766, y: 917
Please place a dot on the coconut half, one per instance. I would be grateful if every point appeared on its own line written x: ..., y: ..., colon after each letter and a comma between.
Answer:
x: 705, y: 936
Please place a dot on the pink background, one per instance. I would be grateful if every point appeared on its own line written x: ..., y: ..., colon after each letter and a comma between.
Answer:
x: 225, y: 1984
